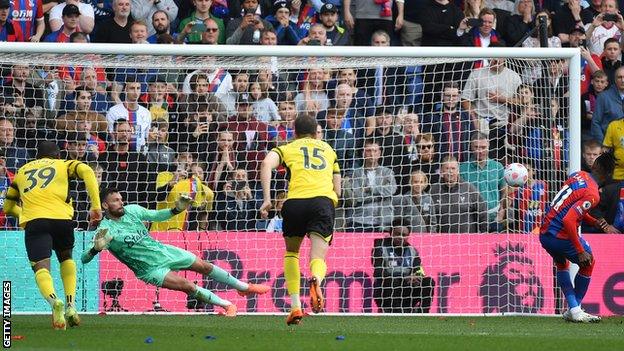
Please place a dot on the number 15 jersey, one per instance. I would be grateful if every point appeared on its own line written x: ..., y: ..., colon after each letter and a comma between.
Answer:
x: 43, y: 187
x: 311, y: 165
x: 570, y: 206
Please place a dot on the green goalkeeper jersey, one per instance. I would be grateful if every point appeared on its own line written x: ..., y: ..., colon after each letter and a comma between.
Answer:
x: 132, y: 243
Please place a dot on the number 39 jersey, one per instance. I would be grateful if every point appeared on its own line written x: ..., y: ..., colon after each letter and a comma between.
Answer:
x: 311, y: 165
x: 571, y: 205
x: 43, y: 187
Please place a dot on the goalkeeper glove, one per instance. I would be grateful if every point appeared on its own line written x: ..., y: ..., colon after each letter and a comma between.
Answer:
x: 183, y: 202
x: 101, y: 240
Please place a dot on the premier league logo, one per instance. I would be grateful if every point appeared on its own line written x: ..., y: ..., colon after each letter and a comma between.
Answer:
x: 511, y: 285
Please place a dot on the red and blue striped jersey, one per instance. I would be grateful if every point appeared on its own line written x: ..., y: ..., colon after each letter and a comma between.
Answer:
x: 57, y: 37
x: 11, y: 32
x: 26, y: 13
x: 570, y: 206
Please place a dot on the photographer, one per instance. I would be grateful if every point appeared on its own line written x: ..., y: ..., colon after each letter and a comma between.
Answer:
x: 400, y: 283
x: 246, y: 30
x: 316, y: 36
x: 202, y: 31
x: 479, y: 32
x: 534, y: 41
x: 608, y: 24
x: 198, y: 19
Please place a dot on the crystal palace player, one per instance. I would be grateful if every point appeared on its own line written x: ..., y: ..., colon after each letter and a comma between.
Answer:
x: 125, y: 236
x: 560, y: 233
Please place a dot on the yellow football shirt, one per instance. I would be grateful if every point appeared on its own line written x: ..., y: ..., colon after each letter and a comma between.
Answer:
x: 194, y: 187
x: 311, y: 165
x: 614, y: 139
x: 42, y: 186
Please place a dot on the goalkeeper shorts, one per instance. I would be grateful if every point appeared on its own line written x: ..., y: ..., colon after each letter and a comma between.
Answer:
x: 173, y: 259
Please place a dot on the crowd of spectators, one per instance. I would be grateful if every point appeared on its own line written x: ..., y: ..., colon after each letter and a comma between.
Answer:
x: 428, y: 143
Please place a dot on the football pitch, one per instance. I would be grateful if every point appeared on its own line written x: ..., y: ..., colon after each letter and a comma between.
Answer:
x: 318, y: 332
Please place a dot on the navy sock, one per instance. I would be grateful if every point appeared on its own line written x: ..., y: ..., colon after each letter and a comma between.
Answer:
x: 563, y: 278
x: 581, y: 283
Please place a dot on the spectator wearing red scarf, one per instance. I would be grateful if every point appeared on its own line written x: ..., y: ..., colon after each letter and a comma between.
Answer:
x: 480, y: 36
x: 484, y: 34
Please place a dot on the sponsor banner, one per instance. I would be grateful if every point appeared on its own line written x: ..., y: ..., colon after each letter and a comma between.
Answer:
x: 473, y: 273
x: 15, y: 267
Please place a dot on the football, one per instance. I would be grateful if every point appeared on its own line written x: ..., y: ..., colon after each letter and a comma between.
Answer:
x: 516, y: 174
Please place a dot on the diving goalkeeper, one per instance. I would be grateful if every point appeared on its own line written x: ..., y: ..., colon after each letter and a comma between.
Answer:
x: 123, y: 233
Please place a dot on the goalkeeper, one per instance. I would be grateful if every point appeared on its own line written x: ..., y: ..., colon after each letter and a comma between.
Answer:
x: 123, y: 233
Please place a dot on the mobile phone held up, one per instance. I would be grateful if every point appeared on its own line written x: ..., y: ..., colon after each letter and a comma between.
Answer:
x: 198, y: 26
x: 474, y: 22
x: 610, y: 17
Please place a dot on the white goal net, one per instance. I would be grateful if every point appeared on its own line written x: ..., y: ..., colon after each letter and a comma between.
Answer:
x: 422, y: 137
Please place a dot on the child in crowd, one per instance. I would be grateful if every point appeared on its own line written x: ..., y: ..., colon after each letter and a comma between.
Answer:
x: 264, y: 108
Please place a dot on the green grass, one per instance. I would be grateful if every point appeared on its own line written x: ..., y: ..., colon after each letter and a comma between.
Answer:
x: 378, y: 333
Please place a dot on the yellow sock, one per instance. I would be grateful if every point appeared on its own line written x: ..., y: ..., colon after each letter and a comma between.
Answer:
x: 68, y: 275
x: 291, y: 272
x: 45, y: 284
x: 292, y: 276
x: 318, y: 267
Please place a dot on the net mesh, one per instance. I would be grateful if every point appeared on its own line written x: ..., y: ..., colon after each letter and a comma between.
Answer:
x: 412, y: 136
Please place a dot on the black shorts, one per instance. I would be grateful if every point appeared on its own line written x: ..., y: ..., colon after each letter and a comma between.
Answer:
x: 302, y: 216
x: 43, y: 235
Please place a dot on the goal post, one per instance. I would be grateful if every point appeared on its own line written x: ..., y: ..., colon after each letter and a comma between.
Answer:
x: 431, y: 53
x: 186, y: 134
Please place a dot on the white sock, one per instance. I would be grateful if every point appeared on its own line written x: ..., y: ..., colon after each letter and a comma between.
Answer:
x: 295, y: 302
x: 576, y: 310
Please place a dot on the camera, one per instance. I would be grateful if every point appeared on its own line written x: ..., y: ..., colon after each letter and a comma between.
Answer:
x: 610, y: 17
x: 474, y: 22
x: 314, y: 42
x: 238, y: 184
x: 249, y: 11
x: 583, y: 43
x: 112, y: 289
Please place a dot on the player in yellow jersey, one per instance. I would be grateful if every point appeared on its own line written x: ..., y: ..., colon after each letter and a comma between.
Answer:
x: 46, y: 212
x: 313, y: 191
